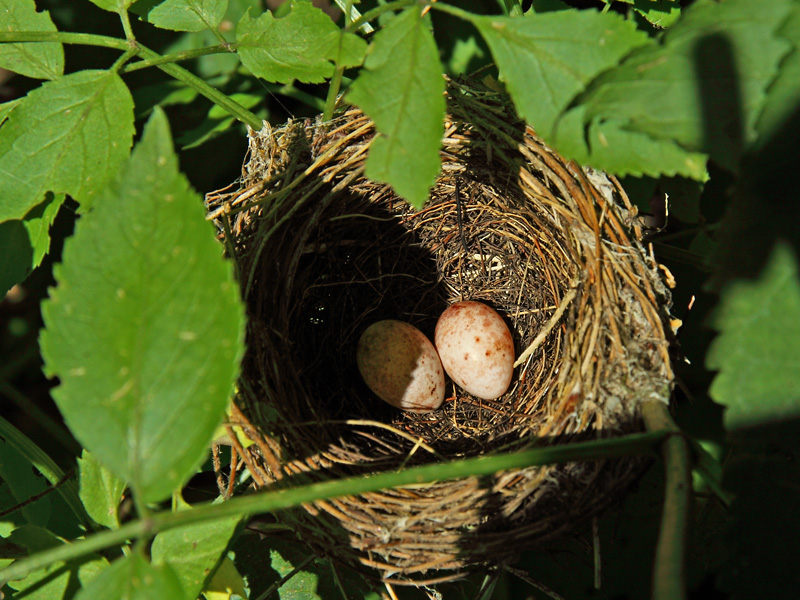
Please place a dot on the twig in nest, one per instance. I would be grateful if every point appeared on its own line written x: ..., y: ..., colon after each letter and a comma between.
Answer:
x: 565, y: 302
x: 459, y: 217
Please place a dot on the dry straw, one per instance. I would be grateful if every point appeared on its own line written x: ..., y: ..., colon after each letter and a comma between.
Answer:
x: 322, y: 252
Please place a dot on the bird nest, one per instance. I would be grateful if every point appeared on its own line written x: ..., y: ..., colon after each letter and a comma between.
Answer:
x: 322, y: 252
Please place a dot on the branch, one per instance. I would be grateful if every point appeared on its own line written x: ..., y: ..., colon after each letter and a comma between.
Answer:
x: 669, y: 572
x: 153, y: 58
x: 249, y: 505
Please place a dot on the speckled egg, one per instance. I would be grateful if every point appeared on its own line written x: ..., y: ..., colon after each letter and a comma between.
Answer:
x: 476, y: 349
x: 401, y: 366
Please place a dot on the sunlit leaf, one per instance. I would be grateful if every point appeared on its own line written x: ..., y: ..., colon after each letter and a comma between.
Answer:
x: 297, y: 46
x: 401, y: 88
x: 144, y: 329
x: 661, y: 13
x: 40, y: 60
x: 67, y: 136
x: 100, y: 490
x: 705, y: 85
x: 6, y: 108
x: 188, y: 15
x: 225, y: 583
x: 193, y: 551
x: 133, y: 578
x: 547, y: 59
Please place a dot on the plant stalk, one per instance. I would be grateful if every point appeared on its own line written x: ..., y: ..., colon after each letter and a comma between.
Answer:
x: 85, y: 39
x: 249, y: 505
x: 177, y: 57
x: 669, y: 572
x: 179, y: 73
x: 363, y: 21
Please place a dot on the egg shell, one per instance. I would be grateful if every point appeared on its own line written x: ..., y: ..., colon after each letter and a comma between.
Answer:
x: 401, y: 366
x: 476, y: 349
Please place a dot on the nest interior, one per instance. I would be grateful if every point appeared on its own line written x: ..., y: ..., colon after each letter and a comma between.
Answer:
x: 322, y: 252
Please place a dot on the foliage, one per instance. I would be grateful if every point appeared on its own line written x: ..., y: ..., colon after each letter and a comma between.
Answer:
x: 144, y: 328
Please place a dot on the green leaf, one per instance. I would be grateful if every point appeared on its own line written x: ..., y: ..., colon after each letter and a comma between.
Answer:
x: 705, y: 86
x: 100, y: 490
x: 295, y: 47
x: 188, y: 15
x: 303, y: 584
x: 542, y: 6
x: 144, y: 330
x: 116, y: 6
x: 756, y: 352
x: 217, y: 122
x: 401, y: 89
x: 23, y: 484
x: 661, y: 13
x: 133, y: 578
x: 783, y: 95
x: 67, y: 136
x: 220, y: 66
x: 57, y: 580
x: 25, y: 242
x: 547, y: 59
x: 343, y: 48
x: 6, y: 108
x: 225, y: 582
x: 610, y: 146
x: 40, y: 60
x: 193, y: 551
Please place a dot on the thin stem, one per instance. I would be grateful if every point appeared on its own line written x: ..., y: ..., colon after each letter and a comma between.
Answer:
x: 245, y: 506
x: 376, y: 12
x: 453, y: 10
x: 126, y: 25
x: 669, y: 572
x: 333, y: 94
x: 351, y: 13
x: 85, y: 39
x: 511, y: 7
x: 179, y: 73
x: 217, y: 97
x: 176, y: 57
x: 218, y: 34
x: 120, y: 62
x: 336, y: 81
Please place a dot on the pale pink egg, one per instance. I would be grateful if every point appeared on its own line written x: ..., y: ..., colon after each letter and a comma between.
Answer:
x: 476, y: 349
x: 401, y: 366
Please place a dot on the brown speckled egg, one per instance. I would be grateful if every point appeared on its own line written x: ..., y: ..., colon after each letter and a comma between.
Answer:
x: 401, y: 366
x: 476, y: 349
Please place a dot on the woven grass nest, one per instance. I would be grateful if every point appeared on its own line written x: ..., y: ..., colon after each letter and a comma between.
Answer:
x: 322, y: 252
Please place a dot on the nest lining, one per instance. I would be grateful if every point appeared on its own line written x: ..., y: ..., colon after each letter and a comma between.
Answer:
x: 323, y: 252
